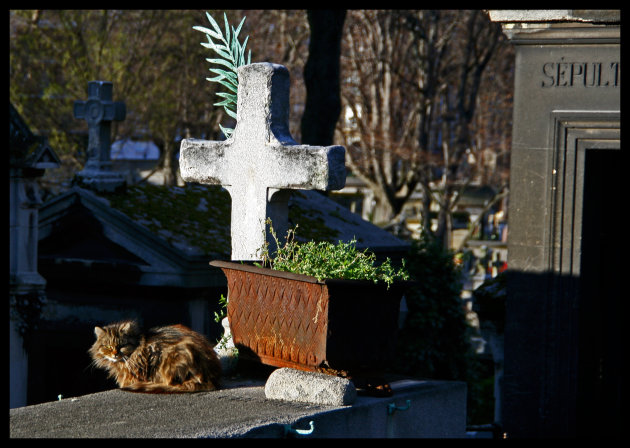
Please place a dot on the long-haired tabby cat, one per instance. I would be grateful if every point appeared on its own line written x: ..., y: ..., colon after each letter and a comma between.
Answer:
x: 167, y: 359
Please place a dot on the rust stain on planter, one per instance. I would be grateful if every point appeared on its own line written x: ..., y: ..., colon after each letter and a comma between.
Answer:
x: 292, y: 320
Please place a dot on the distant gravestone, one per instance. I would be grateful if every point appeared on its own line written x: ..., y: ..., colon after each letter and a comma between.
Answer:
x: 260, y: 162
x: 99, y: 111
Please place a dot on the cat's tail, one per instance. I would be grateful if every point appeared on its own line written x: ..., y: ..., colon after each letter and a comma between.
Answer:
x: 156, y: 388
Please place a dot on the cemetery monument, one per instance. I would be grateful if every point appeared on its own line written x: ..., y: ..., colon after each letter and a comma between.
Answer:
x: 563, y: 346
x: 261, y: 162
x: 29, y: 157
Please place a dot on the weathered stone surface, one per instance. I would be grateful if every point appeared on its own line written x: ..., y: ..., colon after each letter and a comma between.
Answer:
x: 260, y: 162
x: 309, y: 387
x: 555, y: 15
x: 239, y: 409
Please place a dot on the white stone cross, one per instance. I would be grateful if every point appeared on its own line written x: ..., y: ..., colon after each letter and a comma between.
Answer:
x: 260, y: 162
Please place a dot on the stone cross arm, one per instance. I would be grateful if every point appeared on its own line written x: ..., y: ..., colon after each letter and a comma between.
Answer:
x: 275, y: 166
x: 99, y: 106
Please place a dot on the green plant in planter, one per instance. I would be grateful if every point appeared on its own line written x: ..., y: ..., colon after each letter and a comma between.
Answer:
x: 232, y: 56
x: 326, y: 260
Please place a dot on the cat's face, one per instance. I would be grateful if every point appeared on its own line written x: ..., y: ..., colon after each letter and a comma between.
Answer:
x: 115, y: 342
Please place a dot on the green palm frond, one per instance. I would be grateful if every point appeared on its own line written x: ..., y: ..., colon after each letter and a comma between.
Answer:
x: 232, y: 56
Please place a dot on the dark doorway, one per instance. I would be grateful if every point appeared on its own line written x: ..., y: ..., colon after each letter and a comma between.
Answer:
x: 600, y: 353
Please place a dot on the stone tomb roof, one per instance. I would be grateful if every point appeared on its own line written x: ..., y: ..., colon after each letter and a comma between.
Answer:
x: 27, y: 150
x: 168, y: 235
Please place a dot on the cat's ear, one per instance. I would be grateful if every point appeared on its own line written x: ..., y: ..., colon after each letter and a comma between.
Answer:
x: 130, y: 327
x: 98, y: 331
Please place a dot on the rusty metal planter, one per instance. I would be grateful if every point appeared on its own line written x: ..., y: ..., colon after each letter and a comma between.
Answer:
x: 291, y: 320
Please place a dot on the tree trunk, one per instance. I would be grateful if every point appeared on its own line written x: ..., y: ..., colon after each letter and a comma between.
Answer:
x: 321, y: 77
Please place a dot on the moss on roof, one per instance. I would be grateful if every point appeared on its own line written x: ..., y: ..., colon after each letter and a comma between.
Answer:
x: 311, y: 223
x: 196, y: 218
x: 193, y: 218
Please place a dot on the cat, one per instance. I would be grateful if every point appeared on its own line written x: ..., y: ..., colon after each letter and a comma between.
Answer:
x: 168, y: 359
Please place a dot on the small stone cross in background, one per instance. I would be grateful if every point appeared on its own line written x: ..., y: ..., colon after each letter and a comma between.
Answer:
x: 260, y: 162
x: 99, y: 111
